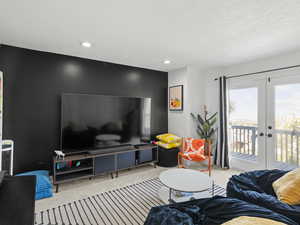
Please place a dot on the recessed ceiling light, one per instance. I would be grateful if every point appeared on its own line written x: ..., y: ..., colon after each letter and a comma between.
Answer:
x: 167, y: 61
x: 86, y: 44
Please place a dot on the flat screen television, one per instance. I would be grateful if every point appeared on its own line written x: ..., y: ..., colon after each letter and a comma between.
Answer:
x: 93, y: 122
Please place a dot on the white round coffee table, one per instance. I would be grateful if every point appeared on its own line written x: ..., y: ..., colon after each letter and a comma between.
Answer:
x: 184, y: 184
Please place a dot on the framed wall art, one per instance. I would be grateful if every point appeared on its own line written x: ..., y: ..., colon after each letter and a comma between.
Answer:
x: 176, y: 98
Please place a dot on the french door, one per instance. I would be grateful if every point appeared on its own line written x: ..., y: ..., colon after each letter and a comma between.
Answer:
x: 264, y: 120
x: 247, y: 122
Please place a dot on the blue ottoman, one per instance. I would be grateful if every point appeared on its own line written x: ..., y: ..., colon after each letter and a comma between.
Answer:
x: 43, y: 188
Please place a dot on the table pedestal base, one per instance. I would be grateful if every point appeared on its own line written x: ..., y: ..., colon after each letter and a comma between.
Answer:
x: 166, y: 197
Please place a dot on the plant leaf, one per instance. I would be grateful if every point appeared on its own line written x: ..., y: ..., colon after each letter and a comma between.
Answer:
x: 206, y: 126
x: 200, y: 135
x: 212, y: 123
x: 200, y: 119
x: 211, y: 117
x: 210, y: 134
x: 200, y: 129
x: 194, y: 117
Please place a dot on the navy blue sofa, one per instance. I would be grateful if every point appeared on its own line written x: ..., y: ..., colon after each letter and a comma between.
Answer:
x: 209, y: 211
x: 256, y: 187
x: 248, y: 194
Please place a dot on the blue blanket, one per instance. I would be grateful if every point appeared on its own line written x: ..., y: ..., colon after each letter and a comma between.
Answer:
x: 256, y: 187
x: 209, y: 211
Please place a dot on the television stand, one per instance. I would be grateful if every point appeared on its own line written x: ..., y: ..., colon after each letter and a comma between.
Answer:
x: 104, y: 161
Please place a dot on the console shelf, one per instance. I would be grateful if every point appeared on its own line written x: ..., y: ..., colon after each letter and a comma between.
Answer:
x: 100, y: 162
x: 73, y: 176
x: 73, y: 170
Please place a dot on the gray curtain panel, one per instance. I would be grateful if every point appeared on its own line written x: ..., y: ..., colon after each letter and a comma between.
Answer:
x: 221, y: 156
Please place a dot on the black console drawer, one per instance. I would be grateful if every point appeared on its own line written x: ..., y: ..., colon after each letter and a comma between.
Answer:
x: 105, y: 164
x: 126, y: 160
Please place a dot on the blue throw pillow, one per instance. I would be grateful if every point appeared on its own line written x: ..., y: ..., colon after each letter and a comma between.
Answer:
x: 43, y: 186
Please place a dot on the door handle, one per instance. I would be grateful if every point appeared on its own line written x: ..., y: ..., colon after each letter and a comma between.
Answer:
x: 269, y: 135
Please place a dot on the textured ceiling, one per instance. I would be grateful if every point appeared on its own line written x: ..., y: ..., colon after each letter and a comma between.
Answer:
x: 145, y: 32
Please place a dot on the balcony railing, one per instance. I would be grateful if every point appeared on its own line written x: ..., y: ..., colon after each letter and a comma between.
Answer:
x: 287, y: 143
x: 287, y: 146
x: 243, y: 139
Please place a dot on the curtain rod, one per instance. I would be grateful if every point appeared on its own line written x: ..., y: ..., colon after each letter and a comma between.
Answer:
x: 263, y: 71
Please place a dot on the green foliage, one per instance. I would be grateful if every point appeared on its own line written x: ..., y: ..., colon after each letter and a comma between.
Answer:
x: 205, y: 125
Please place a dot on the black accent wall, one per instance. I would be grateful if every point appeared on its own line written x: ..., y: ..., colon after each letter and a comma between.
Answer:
x: 34, y: 82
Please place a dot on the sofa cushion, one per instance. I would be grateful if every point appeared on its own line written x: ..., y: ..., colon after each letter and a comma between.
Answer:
x: 287, y: 187
x: 248, y: 220
x: 168, y: 145
x: 168, y: 138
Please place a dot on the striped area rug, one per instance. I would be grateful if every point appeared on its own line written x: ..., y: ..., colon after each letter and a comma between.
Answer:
x: 127, y: 205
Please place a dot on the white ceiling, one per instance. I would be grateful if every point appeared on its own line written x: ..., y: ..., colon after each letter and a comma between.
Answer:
x: 145, y: 32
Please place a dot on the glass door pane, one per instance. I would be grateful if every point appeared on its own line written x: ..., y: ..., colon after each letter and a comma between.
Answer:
x: 243, y: 122
x: 286, y: 132
x: 247, y: 123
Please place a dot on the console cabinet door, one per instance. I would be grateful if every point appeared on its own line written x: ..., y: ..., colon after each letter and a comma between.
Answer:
x: 145, y: 156
x: 125, y: 160
x: 105, y: 164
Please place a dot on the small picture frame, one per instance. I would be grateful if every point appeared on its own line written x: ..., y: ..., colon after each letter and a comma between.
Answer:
x: 176, y: 98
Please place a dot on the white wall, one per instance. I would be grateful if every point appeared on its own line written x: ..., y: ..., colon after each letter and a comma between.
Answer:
x: 177, y: 120
x: 196, y: 92
x: 264, y: 64
x: 211, y: 88
x: 181, y: 123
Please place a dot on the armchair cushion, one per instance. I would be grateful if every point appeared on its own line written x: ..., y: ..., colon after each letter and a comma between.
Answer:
x: 193, y: 149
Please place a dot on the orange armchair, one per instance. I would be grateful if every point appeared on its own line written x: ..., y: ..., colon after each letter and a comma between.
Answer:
x: 193, y: 150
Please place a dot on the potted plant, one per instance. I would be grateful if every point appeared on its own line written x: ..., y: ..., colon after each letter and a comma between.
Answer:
x: 206, y: 128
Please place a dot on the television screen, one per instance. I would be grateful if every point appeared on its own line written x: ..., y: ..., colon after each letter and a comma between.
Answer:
x: 97, y: 121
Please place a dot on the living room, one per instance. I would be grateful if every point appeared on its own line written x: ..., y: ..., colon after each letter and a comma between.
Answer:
x: 158, y: 112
